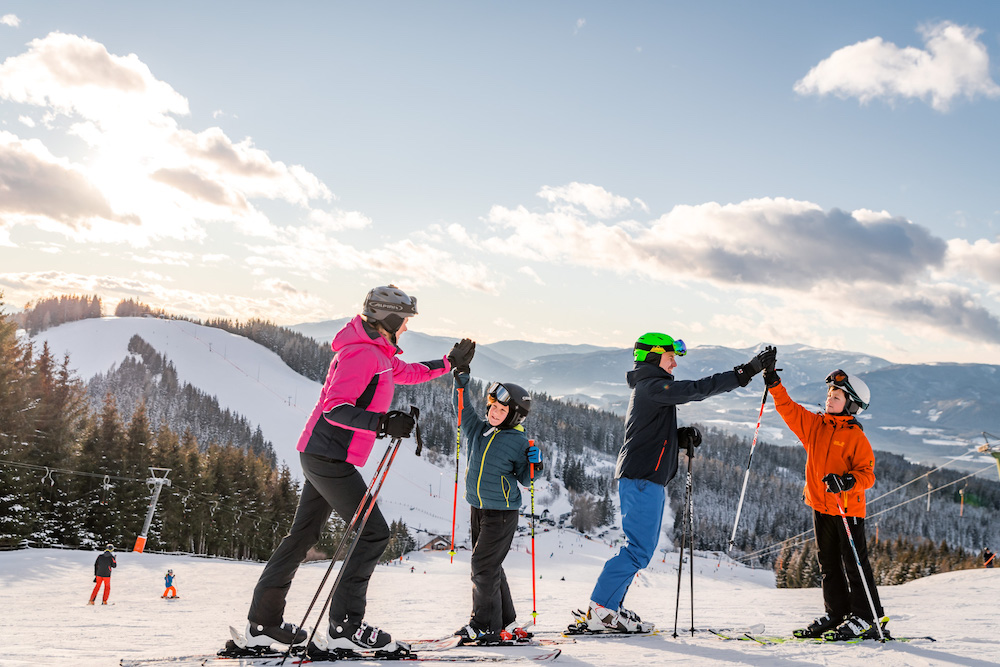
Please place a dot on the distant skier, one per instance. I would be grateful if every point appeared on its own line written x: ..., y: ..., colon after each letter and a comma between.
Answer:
x: 339, y: 435
x: 499, y: 457
x: 988, y: 557
x: 168, y: 581
x: 102, y: 573
x: 840, y: 466
x: 648, y: 460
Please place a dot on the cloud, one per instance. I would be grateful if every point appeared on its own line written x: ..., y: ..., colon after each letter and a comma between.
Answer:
x: 578, y: 26
x: 142, y: 167
x: 10, y: 20
x: 283, y: 305
x: 953, y: 64
x: 35, y: 184
x: 873, y: 264
x: 981, y: 258
x: 777, y: 243
x: 593, y: 198
x: 530, y: 272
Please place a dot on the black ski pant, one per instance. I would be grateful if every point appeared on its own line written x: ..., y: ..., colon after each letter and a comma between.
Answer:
x: 492, y: 534
x: 329, y: 486
x: 843, y: 591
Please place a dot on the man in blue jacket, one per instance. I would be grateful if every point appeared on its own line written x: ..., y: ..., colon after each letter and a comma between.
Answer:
x: 648, y: 460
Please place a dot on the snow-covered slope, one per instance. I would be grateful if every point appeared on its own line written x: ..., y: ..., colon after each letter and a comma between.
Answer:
x: 958, y: 608
x: 253, y: 381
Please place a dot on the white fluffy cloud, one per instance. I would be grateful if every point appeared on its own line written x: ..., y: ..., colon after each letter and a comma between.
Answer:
x: 142, y: 167
x: 10, y: 20
x: 792, y: 250
x: 953, y: 63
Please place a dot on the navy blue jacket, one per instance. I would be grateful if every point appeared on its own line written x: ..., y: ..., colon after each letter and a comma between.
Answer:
x: 650, y: 449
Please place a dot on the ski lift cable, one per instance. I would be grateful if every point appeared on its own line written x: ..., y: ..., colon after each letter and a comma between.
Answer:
x: 780, y: 545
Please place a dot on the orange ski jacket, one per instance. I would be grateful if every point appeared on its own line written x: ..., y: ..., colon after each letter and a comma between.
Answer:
x: 834, y: 443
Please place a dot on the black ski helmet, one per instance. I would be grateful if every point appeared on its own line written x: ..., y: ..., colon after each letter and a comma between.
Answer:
x: 389, y: 306
x: 514, y: 397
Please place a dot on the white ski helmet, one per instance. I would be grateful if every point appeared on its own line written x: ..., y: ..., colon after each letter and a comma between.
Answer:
x: 858, y: 394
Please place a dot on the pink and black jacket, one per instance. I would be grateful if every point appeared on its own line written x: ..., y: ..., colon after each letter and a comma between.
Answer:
x: 358, y: 389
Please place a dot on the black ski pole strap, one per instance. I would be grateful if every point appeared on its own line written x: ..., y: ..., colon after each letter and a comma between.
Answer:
x: 415, y: 413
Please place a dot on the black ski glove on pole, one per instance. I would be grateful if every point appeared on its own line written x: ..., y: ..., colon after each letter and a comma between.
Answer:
x: 688, y: 437
x: 395, y: 424
x: 765, y: 358
x: 836, y: 483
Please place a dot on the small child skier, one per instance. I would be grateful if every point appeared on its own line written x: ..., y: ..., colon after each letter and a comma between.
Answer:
x: 168, y: 581
x: 840, y: 466
x: 499, y: 457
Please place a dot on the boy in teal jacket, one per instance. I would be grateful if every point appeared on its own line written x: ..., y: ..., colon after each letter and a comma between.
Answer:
x: 499, y: 458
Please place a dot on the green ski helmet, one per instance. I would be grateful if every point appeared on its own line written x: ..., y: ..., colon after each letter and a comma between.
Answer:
x: 650, y: 346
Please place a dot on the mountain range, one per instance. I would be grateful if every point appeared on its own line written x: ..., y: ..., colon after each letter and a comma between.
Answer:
x: 928, y: 413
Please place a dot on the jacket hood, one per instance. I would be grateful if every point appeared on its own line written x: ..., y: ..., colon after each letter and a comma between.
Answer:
x: 842, y: 421
x: 357, y: 331
x: 642, y: 371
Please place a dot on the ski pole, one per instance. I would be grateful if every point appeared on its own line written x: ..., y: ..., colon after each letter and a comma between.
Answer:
x: 343, y: 541
x: 690, y: 511
x: 746, y: 475
x: 861, y: 572
x: 458, y: 447
x: 534, y: 605
x: 688, y: 502
x: 357, y: 538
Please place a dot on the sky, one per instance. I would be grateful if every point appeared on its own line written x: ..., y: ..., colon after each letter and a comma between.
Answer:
x: 728, y: 173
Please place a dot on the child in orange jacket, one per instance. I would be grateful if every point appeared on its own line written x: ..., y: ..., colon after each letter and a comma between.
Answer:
x: 839, y: 468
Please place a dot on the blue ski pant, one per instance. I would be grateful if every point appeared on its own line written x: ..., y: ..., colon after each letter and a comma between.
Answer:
x: 642, y: 513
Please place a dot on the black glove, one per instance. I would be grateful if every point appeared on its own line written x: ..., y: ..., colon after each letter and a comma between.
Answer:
x: 461, y: 355
x: 836, y: 483
x: 95, y: 580
x: 771, y: 378
x: 688, y: 437
x: 395, y: 424
x: 764, y: 358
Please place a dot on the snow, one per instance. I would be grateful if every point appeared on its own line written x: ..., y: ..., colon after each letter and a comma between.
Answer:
x: 958, y: 608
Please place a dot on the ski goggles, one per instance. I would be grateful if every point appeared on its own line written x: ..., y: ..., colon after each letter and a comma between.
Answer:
x: 838, y: 377
x: 498, y: 394
x: 678, y: 348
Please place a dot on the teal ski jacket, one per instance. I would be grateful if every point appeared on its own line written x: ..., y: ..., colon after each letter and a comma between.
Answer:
x: 496, y: 457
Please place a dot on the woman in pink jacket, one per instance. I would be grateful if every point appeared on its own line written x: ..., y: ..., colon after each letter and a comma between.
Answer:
x: 353, y: 409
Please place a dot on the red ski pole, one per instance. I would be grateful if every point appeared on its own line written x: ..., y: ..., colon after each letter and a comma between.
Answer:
x: 458, y: 446
x: 534, y: 605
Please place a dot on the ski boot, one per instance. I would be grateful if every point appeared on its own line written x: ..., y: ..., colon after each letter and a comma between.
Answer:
x: 818, y: 627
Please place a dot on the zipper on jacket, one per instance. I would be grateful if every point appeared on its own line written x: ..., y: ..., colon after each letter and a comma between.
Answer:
x: 482, y: 464
x: 660, y: 457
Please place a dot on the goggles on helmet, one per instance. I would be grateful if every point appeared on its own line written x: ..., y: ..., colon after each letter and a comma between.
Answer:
x: 678, y: 348
x: 498, y: 394
x: 840, y: 380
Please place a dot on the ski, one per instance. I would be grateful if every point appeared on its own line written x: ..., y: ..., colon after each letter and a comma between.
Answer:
x: 768, y: 640
x: 271, y: 658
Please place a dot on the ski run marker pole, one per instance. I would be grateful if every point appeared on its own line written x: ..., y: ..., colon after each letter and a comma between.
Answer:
x: 861, y: 572
x: 746, y: 475
x: 458, y: 447
x: 534, y: 606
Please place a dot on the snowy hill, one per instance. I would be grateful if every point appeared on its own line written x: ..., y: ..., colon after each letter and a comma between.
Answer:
x: 253, y: 381
x: 957, y: 609
x: 928, y: 413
